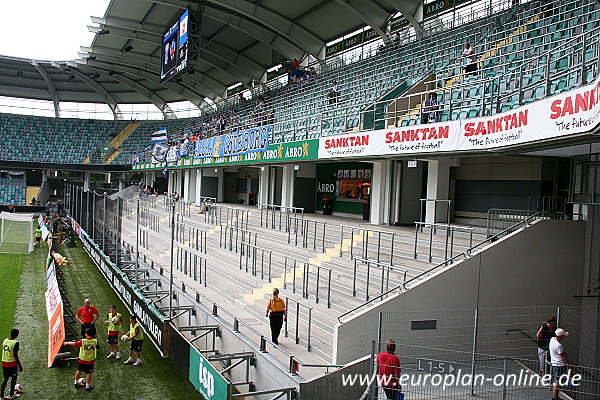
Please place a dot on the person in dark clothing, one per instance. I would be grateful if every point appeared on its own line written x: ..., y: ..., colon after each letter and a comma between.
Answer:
x: 543, y: 335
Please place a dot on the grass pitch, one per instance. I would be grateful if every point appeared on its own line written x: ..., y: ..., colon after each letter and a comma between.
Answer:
x: 156, y: 379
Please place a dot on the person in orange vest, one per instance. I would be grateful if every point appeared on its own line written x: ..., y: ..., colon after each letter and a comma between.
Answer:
x: 88, y: 350
x: 277, y: 313
x: 11, y: 364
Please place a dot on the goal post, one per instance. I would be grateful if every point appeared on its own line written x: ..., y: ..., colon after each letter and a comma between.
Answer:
x: 16, y: 233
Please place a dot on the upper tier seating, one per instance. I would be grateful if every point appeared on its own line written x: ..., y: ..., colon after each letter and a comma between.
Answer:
x: 13, y: 190
x: 53, y: 140
x: 516, y: 50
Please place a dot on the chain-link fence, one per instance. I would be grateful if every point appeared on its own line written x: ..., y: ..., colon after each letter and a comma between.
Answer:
x: 427, y: 372
x: 505, y: 332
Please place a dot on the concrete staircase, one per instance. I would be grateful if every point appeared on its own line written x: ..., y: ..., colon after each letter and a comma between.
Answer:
x: 245, y: 294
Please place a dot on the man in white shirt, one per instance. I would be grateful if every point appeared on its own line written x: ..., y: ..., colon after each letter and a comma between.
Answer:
x: 471, y: 60
x: 558, y: 359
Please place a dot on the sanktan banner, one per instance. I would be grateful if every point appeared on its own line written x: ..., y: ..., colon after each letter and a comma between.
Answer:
x: 233, y: 144
x: 570, y: 113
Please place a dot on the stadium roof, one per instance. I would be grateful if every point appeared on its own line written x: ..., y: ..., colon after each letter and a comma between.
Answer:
x: 238, y: 40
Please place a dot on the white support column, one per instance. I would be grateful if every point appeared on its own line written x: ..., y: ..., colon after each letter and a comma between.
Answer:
x: 171, y: 181
x: 122, y: 181
x: 198, y: 195
x: 381, y: 190
x: 263, y: 185
x: 107, y: 175
x: 178, y: 181
x: 187, y: 188
x: 272, y: 181
x: 287, y: 186
x: 87, y: 176
x: 438, y: 186
x: 220, y: 185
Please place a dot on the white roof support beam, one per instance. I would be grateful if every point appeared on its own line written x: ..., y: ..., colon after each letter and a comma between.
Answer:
x: 106, y: 96
x: 51, y: 87
x: 183, y: 90
x: 150, y: 63
x: 154, y: 38
x: 283, y: 27
x: 397, y: 4
x: 370, y: 13
x: 152, y: 97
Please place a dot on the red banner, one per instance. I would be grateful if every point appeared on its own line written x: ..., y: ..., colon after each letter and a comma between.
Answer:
x: 56, y: 333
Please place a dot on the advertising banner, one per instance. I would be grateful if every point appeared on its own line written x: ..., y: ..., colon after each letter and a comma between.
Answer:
x: 54, y: 311
x: 205, y: 378
x: 574, y: 112
x: 284, y: 152
x: 56, y: 333
x: 233, y: 144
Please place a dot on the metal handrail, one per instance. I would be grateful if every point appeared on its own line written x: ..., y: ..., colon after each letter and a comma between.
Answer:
x: 365, y: 232
x: 250, y: 251
x: 309, y: 311
x: 450, y: 229
x: 385, y: 275
x: 466, y: 254
x: 305, y: 277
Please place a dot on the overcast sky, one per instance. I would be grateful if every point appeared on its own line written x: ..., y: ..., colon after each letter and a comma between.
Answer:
x: 46, y: 29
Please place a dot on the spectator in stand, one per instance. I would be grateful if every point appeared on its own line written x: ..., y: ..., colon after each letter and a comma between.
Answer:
x: 543, y: 335
x: 33, y: 201
x: 430, y: 110
x: 334, y: 93
x: 558, y: 359
x: 389, y: 370
x: 295, y: 64
x: 468, y: 53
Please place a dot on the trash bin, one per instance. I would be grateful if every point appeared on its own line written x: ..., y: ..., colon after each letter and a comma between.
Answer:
x: 327, y: 206
x: 251, y: 199
x: 366, y: 210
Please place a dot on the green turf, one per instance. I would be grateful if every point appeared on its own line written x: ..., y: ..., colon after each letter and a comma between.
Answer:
x: 156, y: 379
x: 11, y: 266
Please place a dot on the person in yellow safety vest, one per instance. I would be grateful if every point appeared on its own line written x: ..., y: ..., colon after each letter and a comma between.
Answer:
x: 277, y: 313
x: 114, y: 321
x: 88, y: 350
x: 137, y: 339
x: 11, y: 365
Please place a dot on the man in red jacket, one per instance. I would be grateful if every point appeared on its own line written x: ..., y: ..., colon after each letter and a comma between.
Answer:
x: 389, y: 370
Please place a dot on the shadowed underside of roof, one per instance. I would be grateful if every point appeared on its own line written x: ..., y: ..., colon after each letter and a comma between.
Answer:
x: 238, y: 40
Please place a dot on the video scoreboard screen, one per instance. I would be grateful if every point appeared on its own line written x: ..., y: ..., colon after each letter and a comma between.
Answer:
x: 175, y: 49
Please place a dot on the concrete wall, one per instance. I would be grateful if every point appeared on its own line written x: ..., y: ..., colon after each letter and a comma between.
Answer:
x: 330, y: 386
x: 538, y: 266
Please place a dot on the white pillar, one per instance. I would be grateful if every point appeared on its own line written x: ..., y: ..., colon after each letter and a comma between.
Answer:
x: 272, y: 181
x: 87, y: 176
x: 198, y: 196
x: 287, y: 186
x: 187, y: 188
x: 220, y: 185
x: 122, y: 181
x: 171, y: 181
x: 107, y: 176
x: 178, y: 182
x: 438, y: 186
x: 263, y: 185
x: 380, y: 194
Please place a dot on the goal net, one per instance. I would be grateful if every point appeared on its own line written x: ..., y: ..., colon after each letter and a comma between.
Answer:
x: 16, y: 233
